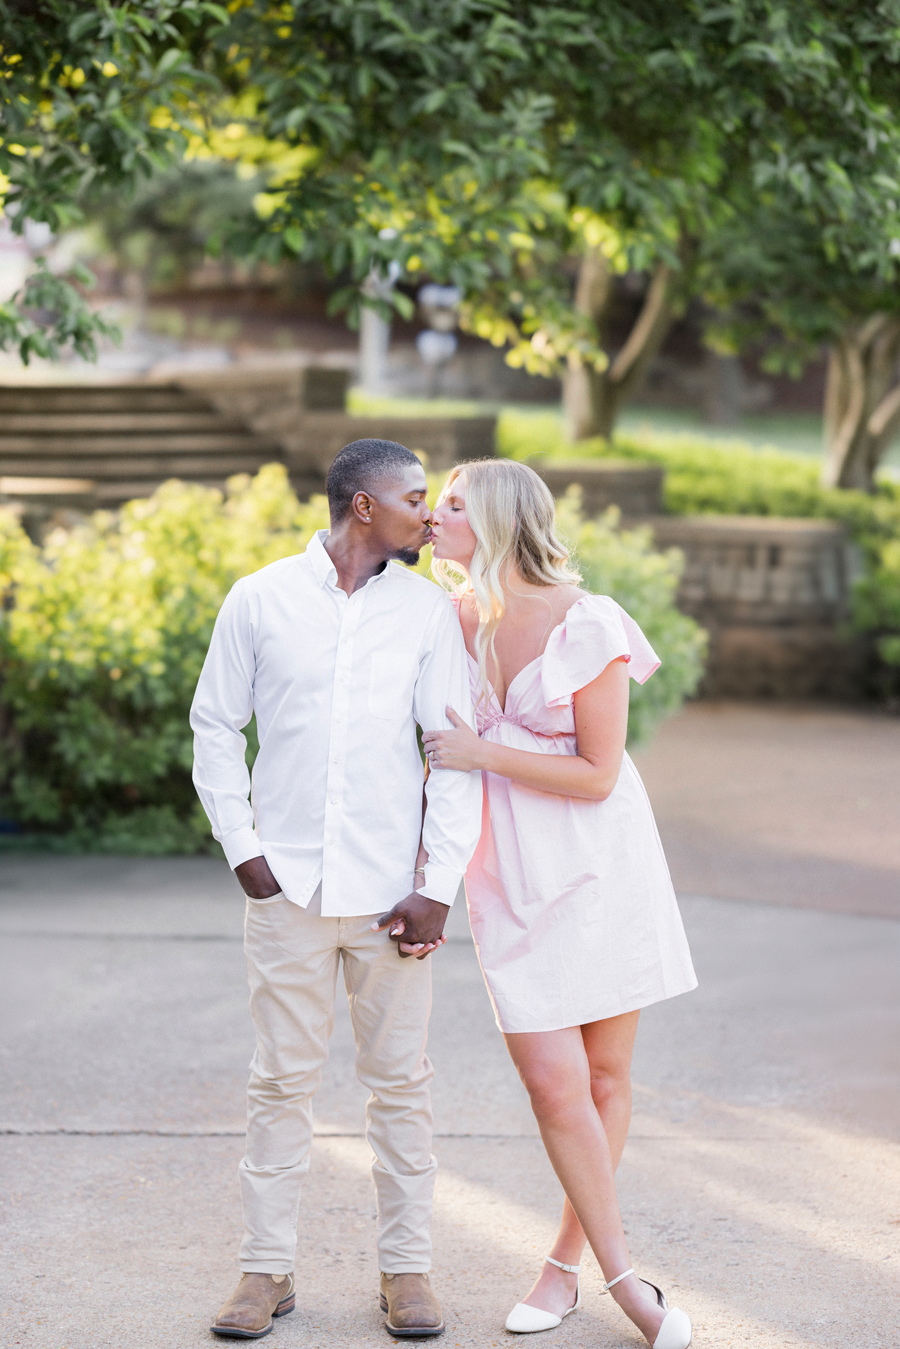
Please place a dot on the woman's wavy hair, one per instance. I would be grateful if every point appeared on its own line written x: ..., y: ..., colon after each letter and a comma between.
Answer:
x: 513, y: 518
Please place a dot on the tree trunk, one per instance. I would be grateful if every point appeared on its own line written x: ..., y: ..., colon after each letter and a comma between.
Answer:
x: 862, y: 401
x: 593, y: 398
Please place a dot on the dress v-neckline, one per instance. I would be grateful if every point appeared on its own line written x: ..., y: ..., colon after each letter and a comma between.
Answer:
x: 540, y: 656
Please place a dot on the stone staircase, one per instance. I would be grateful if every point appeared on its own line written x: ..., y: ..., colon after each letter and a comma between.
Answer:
x: 90, y: 445
x: 83, y: 446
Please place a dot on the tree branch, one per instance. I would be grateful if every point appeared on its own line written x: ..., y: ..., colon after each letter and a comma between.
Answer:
x: 872, y: 329
x: 886, y: 417
x: 838, y: 449
x: 654, y: 312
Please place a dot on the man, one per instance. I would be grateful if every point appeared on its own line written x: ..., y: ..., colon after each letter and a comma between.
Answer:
x: 339, y: 652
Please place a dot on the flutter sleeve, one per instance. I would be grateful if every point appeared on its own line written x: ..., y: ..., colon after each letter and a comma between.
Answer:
x: 596, y: 631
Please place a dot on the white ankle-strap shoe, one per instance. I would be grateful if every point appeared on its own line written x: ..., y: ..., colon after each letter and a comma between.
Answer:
x: 525, y: 1320
x: 676, y: 1330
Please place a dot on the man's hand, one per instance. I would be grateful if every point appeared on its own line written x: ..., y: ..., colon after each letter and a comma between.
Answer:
x: 257, y: 879
x: 419, y: 921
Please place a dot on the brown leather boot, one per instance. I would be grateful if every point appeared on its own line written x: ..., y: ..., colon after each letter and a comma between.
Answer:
x: 411, y: 1306
x: 247, y: 1315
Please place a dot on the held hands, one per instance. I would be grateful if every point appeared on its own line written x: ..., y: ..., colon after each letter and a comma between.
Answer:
x: 420, y: 920
x: 460, y: 748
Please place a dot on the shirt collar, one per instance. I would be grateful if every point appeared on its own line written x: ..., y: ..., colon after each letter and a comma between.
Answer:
x: 322, y: 566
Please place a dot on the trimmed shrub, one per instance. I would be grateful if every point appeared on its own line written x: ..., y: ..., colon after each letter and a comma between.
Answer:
x: 105, y: 628
x: 623, y: 564
x: 101, y: 649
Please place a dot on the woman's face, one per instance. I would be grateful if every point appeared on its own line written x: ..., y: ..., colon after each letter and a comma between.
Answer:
x: 452, y: 536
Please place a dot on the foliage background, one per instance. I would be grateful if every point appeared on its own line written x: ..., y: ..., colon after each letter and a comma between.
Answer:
x: 105, y: 629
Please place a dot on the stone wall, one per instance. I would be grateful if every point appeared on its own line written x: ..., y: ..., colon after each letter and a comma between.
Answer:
x: 635, y: 488
x: 304, y: 410
x: 773, y: 595
x: 443, y: 441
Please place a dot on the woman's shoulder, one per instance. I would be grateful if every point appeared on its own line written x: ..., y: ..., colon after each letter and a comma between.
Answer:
x: 467, y: 614
x: 566, y: 597
x: 581, y: 609
x: 595, y: 631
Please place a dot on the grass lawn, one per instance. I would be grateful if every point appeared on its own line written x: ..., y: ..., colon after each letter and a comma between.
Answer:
x: 528, y: 430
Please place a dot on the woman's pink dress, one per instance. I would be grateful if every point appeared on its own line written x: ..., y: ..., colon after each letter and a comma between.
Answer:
x: 570, y: 901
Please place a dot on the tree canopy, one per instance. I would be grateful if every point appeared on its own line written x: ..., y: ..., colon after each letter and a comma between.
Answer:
x: 489, y: 143
x: 91, y: 98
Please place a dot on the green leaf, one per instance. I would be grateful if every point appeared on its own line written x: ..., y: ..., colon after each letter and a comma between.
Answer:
x: 294, y: 238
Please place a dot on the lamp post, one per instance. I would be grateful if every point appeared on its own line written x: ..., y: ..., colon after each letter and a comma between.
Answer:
x: 436, y: 344
x: 375, y: 331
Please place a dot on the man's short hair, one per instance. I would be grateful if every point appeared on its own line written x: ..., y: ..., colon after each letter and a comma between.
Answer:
x: 360, y: 467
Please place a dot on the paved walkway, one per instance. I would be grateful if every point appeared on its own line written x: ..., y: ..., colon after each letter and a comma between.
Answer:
x: 759, y: 1184
x: 792, y: 805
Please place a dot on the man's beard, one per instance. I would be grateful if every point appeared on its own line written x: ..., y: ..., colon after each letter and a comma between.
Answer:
x: 410, y: 556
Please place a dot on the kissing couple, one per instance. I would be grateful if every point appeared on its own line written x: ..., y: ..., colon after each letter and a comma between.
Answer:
x: 518, y: 680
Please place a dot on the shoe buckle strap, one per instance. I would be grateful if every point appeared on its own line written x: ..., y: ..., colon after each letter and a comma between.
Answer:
x: 570, y: 1269
x: 612, y: 1282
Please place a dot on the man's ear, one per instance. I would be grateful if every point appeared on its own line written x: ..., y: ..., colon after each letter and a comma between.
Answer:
x: 362, y: 507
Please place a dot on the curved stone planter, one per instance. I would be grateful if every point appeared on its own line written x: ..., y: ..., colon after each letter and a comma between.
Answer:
x: 774, y: 596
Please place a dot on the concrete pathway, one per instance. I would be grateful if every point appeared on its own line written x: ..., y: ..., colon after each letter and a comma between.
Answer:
x: 792, y: 805
x: 759, y: 1184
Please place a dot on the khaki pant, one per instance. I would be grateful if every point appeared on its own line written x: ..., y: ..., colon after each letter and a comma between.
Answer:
x: 292, y: 961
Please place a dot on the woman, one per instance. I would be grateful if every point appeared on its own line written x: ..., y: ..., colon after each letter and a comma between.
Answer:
x: 570, y: 900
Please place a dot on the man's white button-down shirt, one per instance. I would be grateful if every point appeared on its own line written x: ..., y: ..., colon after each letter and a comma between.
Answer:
x: 337, y: 684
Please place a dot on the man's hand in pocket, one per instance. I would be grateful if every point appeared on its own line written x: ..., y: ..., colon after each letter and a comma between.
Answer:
x: 257, y: 879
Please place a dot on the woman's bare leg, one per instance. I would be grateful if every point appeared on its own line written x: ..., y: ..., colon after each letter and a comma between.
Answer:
x: 557, y: 1071
x: 609, y: 1046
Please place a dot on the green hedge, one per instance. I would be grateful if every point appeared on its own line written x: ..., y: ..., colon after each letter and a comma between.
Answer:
x: 105, y: 629
x: 101, y: 649
x: 623, y: 564
x: 729, y: 478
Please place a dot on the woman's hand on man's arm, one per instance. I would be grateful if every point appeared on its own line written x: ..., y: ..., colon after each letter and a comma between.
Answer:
x: 601, y: 724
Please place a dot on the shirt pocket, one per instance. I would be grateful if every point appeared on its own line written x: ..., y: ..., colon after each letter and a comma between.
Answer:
x: 391, y: 686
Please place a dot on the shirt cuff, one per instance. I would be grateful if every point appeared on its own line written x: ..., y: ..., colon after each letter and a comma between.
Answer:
x: 441, y: 883
x: 239, y: 845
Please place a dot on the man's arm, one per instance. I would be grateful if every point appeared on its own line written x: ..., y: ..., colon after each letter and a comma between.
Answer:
x: 416, y: 913
x: 222, y: 706
x: 452, y: 821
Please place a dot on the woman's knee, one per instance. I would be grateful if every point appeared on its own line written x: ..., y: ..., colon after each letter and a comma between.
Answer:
x: 609, y: 1085
x: 555, y: 1090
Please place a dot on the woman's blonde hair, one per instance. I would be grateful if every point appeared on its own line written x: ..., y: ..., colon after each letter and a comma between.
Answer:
x: 512, y: 515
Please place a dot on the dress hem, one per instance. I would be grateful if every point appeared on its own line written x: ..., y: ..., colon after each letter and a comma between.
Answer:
x: 587, y: 1021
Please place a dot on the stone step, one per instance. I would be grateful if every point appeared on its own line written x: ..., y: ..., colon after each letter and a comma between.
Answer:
x: 86, y: 494
x: 141, y: 466
x: 245, y: 442
x: 88, y: 424
x: 103, y: 398
x: 116, y: 493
